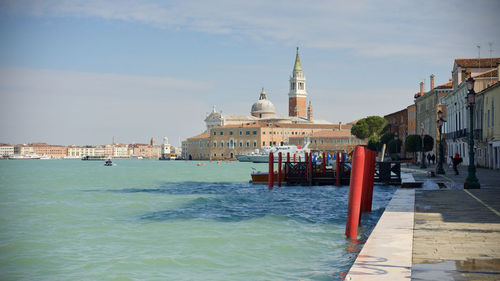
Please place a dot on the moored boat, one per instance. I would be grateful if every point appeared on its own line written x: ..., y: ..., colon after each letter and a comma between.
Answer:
x: 263, y: 177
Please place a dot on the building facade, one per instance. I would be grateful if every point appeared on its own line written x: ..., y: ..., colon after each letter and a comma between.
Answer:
x: 457, y: 113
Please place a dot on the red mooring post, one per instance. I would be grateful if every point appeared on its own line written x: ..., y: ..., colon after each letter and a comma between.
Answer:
x: 338, y: 170
x: 355, y: 193
x: 288, y: 161
x: 371, y: 177
x: 294, y: 158
x: 310, y: 169
x: 323, y: 162
x: 366, y: 183
x: 270, y: 179
x: 279, y: 168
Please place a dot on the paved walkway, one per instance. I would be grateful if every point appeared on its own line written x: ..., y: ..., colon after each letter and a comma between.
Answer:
x: 456, y: 232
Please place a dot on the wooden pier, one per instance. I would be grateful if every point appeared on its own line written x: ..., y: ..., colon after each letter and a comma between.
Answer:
x: 315, y: 173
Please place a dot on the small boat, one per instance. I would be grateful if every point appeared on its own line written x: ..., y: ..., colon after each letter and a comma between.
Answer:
x: 108, y: 163
x: 136, y: 157
x: 263, y: 177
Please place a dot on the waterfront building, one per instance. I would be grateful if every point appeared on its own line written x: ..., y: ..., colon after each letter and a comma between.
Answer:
x: 121, y: 151
x: 75, y: 151
x: 427, y: 105
x: 104, y: 150
x: 398, y: 124
x: 50, y: 150
x: 23, y: 149
x: 487, y: 124
x: 412, y: 120
x: 227, y: 135
x: 457, y: 114
x: 6, y: 150
x: 197, y: 147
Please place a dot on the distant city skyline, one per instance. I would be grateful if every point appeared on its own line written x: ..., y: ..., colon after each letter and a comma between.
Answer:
x: 81, y: 72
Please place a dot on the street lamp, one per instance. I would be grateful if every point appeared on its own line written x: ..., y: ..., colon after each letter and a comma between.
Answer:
x: 471, y: 182
x: 422, y: 165
x: 440, y: 123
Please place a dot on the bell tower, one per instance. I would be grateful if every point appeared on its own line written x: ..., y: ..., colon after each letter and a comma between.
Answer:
x: 297, y: 96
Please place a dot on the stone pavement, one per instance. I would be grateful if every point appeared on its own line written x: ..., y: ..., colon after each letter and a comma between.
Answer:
x: 456, y: 234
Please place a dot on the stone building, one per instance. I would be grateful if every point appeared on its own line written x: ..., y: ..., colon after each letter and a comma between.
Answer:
x: 487, y: 124
x: 398, y: 124
x: 50, y: 150
x: 230, y: 134
x: 427, y: 105
x: 457, y: 113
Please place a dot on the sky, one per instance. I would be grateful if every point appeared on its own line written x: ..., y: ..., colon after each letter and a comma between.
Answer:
x: 83, y: 72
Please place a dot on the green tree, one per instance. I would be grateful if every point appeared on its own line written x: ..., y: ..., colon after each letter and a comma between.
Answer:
x: 368, y: 126
x: 387, y: 137
x: 413, y: 143
x: 428, y: 143
x: 394, y: 146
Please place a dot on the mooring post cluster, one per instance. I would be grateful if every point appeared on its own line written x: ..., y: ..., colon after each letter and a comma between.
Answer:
x: 360, y: 189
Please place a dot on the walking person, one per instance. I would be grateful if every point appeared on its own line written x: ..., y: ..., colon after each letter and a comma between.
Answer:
x: 456, y: 161
x: 429, y: 158
x: 433, y: 158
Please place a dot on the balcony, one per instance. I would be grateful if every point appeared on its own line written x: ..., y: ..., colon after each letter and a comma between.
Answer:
x: 457, y: 134
x: 478, y: 134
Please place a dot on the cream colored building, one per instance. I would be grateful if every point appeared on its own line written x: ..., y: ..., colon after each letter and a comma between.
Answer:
x: 121, y: 151
x: 75, y: 151
x: 6, y: 150
x: 330, y: 141
x: 487, y: 126
x: 23, y: 149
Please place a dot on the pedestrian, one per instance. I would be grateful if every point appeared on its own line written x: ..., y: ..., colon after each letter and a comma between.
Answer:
x: 433, y: 158
x: 429, y: 158
x: 456, y: 161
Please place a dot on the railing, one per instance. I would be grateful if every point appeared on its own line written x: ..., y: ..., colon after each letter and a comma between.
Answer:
x: 388, y: 172
x: 478, y: 134
x: 457, y: 134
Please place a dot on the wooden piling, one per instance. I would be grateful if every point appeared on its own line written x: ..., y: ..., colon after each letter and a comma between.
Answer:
x: 279, y: 168
x: 270, y: 179
x: 338, y: 169
x: 355, y: 192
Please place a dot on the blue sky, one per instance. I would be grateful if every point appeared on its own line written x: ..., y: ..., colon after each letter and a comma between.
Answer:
x: 81, y: 72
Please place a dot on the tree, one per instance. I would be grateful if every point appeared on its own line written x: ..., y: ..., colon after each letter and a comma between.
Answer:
x: 368, y: 126
x: 428, y: 143
x: 394, y: 146
x: 387, y: 137
x: 413, y: 143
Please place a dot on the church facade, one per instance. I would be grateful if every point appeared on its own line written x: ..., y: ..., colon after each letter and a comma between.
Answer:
x: 227, y: 135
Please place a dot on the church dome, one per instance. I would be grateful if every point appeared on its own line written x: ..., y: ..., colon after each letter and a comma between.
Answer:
x: 263, y: 107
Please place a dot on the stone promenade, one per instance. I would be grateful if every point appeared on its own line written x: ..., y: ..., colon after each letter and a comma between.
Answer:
x: 455, y: 233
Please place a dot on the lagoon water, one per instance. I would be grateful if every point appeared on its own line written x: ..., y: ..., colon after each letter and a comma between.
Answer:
x: 170, y: 220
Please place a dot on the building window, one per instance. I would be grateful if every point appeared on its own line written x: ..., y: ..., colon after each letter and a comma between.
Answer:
x: 247, y: 133
x: 254, y: 133
x: 241, y: 133
x: 230, y: 133
x: 215, y: 144
x: 248, y: 144
x: 263, y: 143
x: 241, y: 144
x: 263, y: 132
x: 254, y: 144
x: 215, y: 133
x: 215, y: 154
x: 221, y: 133
x: 221, y: 144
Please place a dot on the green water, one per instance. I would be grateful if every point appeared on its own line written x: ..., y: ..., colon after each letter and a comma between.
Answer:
x: 161, y: 220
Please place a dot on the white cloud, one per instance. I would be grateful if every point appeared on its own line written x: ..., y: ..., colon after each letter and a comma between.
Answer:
x: 371, y: 28
x: 88, y: 108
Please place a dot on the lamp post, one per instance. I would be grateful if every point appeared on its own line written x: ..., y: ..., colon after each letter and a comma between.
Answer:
x: 471, y: 182
x: 440, y: 123
x: 422, y: 165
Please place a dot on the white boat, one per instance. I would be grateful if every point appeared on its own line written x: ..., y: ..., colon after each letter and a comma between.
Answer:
x: 136, y: 157
x: 263, y: 155
x: 24, y: 157
x: 45, y: 157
